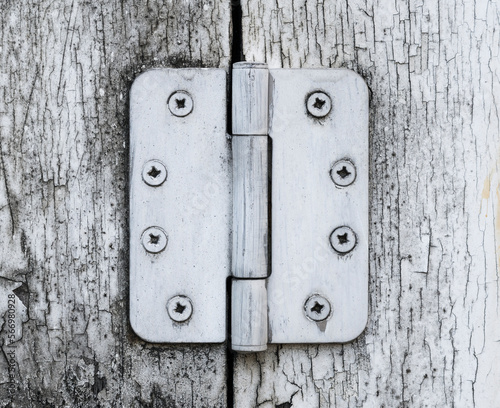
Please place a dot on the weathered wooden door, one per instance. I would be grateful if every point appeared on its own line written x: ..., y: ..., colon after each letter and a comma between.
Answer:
x: 433, y: 336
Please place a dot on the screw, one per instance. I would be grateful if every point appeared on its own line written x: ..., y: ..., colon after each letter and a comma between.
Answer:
x: 343, y: 240
x: 319, y: 104
x: 154, y: 173
x: 180, y: 103
x: 154, y: 240
x: 317, y: 308
x: 180, y: 308
x: 343, y: 173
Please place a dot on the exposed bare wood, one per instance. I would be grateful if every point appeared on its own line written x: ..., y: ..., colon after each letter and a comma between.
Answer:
x: 434, y: 328
x: 65, y: 72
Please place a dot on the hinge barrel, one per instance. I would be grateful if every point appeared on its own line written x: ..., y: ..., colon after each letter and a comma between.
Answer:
x: 251, y: 241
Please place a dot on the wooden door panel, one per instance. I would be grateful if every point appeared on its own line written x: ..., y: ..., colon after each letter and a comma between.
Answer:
x: 65, y: 72
x: 432, y: 337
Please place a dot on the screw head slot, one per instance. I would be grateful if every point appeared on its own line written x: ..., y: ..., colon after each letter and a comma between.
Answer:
x: 319, y: 104
x: 343, y: 240
x: 180, y: 308
x: 343, y: 173
x: 180, y: 103
x: 154, y: 240
x: 154, y: 173
x: 317, y: 308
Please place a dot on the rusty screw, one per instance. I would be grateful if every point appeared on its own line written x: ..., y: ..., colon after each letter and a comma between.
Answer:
x: 154, y: 173
x: 180, y: 308
x: 343, y: 240
x: 180, y: 103
x: 154, y: 240
x: 343, y: 173
x: 317, y: 308
x: 319, y: 104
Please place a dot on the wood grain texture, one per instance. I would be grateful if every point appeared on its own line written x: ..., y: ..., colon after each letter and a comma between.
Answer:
x: 433, y: 333
x: 65, y: 71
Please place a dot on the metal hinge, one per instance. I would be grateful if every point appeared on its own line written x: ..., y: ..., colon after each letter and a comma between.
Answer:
x: 284, y: 212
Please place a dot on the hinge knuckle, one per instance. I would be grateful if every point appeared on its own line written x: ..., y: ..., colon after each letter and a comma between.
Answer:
x: 250, y: 207
x: 249, y: 315
x: 250, y: 99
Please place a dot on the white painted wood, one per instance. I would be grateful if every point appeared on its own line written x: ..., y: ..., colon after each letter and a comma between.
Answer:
x: 432, y: 336
x: 250, y: 98
x: 249, y: 329
x: 66, y: 68
x: 432, y: 67
x: 251, y: 245
x: 307, y: 206
x: 192, y: 206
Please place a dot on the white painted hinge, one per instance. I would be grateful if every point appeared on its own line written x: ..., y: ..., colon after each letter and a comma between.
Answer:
x: 292, y: 192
